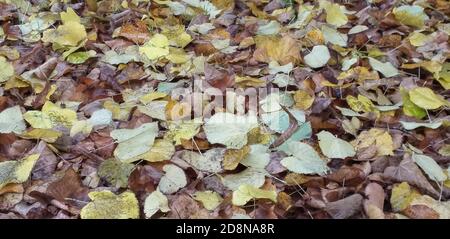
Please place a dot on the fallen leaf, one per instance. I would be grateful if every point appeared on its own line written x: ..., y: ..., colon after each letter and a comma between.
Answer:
x: 107, y: 205
x: 155, y: 202
x: 426, y: 98
x: 304, y: 159
x: 401, y: 196
x: 334, y: 147
x: 385, y: 68
x: 11, y: 121
x: 318, y: 57
x: 209, y: 199
x: 229, y: 129
x: 173, y: 179
x: 247, y: 192
x: 430, y: 167
x: 410, y: 15
x: 115, y: 172
x: 345, y: 207
x: 17, y: 171
x: 134, y: 142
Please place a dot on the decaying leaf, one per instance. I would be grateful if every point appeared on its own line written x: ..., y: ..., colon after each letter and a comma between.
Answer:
x: 17, y: 171
x: 115, y: 172
x: 107, y: 205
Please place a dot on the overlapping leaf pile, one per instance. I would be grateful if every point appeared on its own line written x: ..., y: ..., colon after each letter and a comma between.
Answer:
x: 95, y: 119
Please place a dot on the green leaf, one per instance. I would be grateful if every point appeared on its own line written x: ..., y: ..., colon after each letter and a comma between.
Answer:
x: 334, y: 147
x: 80, y: 57
x: 271, y: 28
x: 304, y: 160
x: 425, y: 98
x: 134, y: 142
x: 409, y: 108
x: 430, y: 167
x: 414, y: 125
x: 386, y: 68
x: 258, y: 158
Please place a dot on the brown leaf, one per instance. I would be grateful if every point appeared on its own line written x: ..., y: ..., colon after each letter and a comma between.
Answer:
x: 409, y: 172
x: 68, y: 187
x: 135, y: 31
x: 420, y: 212
x: 346, y: 207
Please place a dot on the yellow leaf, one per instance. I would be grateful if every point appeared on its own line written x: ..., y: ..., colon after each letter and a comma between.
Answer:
x: 402, y: 195
x: 444, y: 76
x: 16, y: 82
x: 233, y: 157
x: 315, y: 36
x: 119, y: 111
x: 81, y: 126
x: 303, y: 100
x: 426, y: 98
x: 361, y: 103
x: 247, y: 192
x: 410, y: 15
x: 59, y: 115
x: 161, y: 150
x: 69, y: 16
x: 159, y: 40
x: 360, y: 72
x: 17, y: 171
x: 185, y: 129
x: 418, y: 39
x: 107, y: 205
x: 248, y: 81
x: 177, y: 56
x: 68, y: 34
x: 7, y: 69
x: 381, y: 138
x: 145, y: 99
x: 335, y: 13
x: 283, y: 50
x: 38, y: 120
x: 47, y: 135
x: 209, y: 199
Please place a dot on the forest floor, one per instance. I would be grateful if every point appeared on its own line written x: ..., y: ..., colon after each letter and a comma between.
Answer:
x: 224, y: 109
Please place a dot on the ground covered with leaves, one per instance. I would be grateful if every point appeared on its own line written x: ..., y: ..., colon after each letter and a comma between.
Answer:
x: 224, y: 109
